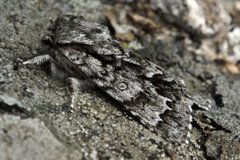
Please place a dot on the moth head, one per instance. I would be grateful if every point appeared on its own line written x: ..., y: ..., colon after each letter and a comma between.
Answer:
x: 71, y: 29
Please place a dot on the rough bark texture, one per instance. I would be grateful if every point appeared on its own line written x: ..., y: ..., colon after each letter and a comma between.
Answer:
x: 36, y: 121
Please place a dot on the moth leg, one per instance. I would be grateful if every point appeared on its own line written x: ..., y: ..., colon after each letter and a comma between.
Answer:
x: 74, y: 85
x: 78, y: 86
x: 39, y: 60
x: 56, y: 71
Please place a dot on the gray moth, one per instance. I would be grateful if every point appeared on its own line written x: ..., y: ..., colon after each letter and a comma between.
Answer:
x: 158, y: 100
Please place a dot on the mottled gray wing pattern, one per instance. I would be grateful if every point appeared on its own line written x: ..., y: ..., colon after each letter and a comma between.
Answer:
x: 158, y: 99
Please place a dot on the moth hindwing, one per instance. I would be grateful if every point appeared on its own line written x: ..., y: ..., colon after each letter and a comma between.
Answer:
x: 86, y: 50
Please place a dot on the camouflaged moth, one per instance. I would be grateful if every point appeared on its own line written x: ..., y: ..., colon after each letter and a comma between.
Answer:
x: 86, y: 51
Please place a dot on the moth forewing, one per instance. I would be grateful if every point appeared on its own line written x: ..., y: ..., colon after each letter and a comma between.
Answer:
x: 159, y: 100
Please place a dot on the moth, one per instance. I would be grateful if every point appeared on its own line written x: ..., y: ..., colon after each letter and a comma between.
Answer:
x: 86, y: 51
